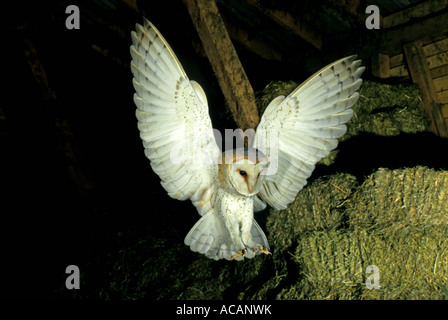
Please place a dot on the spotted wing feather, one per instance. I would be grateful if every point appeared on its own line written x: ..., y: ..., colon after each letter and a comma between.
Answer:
x: 173, y: 120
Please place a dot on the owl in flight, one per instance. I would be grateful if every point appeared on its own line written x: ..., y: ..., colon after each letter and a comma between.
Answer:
x: 227, y: 187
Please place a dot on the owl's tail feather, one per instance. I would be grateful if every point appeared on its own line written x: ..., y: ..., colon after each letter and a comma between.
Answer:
x: 258, y: 235
x: 210, y: 238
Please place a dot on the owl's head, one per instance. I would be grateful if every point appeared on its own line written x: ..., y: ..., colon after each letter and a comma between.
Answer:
x: 245, y: 170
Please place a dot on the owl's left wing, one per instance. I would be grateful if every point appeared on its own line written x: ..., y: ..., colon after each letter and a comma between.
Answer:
x: 173, y: 119
x: 297, y: 131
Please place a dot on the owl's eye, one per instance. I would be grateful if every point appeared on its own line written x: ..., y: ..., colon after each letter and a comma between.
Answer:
x: 243, y: 173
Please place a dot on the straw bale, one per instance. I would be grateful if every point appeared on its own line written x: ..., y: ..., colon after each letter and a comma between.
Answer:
x: 387, y: 110
x: 396, y: 220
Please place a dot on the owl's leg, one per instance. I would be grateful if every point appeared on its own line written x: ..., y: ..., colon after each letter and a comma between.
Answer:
x: 233, y: 228
x: 248, y: 240
x: 246, y: 235
x: 260, y: 248
x: 240, y: 253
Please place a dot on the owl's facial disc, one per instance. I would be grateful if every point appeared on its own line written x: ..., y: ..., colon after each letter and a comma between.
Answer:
x: 246, y: 177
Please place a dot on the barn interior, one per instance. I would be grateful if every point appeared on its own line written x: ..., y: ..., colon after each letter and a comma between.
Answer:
x: 78, y: 190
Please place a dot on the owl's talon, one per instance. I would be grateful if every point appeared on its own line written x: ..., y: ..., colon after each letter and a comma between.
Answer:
x: 242, y: 252
x: 260, y: 248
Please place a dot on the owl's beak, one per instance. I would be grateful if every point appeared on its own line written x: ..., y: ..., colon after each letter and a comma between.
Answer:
x: 256, y: 187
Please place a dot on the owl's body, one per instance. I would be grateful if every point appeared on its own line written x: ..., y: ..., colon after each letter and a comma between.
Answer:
x: 228, y: 230
x: 226, y: 188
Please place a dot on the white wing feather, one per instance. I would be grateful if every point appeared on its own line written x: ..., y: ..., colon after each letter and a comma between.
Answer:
x: 173, y: 120
x: 308, y: 123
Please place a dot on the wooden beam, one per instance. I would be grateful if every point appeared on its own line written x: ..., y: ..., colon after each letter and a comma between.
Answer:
x: 349, y: 6
x: 131, y: 3
x: 421, y: 75
x: 417, y: 11
x: 436, y: 47
x: 252, y: 43
x: 439, y: 71
x: 445, y: 111
x: 393, y: 39
x: 225, y: 62
x: 441, y: 84
x: 438, y: 60
x: 285, y: 19
x: 400, y: 72
x: 442, y: 97
x: 381, y: 65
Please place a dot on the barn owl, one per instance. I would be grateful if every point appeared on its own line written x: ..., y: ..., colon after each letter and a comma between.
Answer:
x: 227, y: 187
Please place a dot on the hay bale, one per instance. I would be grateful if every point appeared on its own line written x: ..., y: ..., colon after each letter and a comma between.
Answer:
x: 159, y: 266
x: 141, y: 267
x: 396, y: 220
x: 407, y: 198
x: 387, y: 110
x: 333, y: 266
x: 318, y: 206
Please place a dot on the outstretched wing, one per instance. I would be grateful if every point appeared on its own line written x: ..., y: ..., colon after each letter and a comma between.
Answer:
x: 173, y: 119
x: 297, y: 131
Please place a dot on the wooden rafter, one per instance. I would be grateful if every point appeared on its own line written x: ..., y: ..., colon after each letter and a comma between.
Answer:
x: 254, y: 45
x: 394, y: 38
x: 381, y: 65
x: 225, y: 62
x: 414, y: 12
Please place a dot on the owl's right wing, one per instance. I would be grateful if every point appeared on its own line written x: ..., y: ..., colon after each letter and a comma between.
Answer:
x: 297, y: 131
x: 173, y: 120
